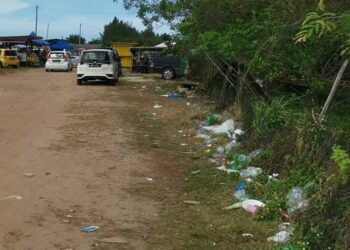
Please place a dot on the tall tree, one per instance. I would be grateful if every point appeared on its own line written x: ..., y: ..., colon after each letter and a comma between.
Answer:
x: 120, y: 31
x: 75, y: 39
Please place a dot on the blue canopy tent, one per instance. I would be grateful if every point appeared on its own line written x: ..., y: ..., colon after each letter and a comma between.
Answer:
x: 61, y: 45
x: 40, y: 42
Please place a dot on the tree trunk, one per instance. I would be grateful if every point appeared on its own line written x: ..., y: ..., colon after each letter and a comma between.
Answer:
x: 223, y: 93
x: 239, y: 93
x: 334, y: 89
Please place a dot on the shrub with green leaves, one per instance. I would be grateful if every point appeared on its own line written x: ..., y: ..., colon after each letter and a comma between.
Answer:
x: 271, y: 117
x: 342, y: 159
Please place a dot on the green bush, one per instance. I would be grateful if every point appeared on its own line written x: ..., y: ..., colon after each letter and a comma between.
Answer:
x: 269, y: 118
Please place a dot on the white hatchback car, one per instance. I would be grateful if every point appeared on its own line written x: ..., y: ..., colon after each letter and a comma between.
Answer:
x: 59, y: 60
x: 97, y: 64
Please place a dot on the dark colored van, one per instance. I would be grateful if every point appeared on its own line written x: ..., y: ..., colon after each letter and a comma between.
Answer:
x: 170, y: 66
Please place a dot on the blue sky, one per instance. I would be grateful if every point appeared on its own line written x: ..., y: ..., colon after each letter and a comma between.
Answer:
x: 17, y: 17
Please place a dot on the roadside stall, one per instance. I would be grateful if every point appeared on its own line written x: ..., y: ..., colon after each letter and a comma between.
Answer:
x: 142, y: 58
x: 27, y: 47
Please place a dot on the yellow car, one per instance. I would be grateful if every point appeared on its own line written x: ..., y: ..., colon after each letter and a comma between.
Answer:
x: 8, y: 57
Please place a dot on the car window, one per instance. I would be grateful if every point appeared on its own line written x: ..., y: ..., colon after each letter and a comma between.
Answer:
x: 57, y: 55
x: 10, y: 53
x: 95, y: 56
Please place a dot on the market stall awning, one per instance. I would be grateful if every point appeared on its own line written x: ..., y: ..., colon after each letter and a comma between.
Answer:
x: 19, y: 39
x: 40, y: 42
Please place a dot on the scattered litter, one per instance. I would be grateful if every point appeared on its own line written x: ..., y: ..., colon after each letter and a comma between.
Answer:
x: 89, y: 229
x: 149, y: 179
x: 192, y: 202
x: 172, y: 95
x: 226, y: 128
x: 188, y: 104
x: 116, y: 240
x: 229, y: 171
x: 285, y: 226
x: 250, y: 172
x: 17, y: 197
x: 157, y: 106
x: 273, y: 177
x: 280, y: 237
x: 28, y: 175
x: 195, y: 172
x: 253, y: 155
x: 285, y: 216
x: 180, y: 131
x: 296, y: 200
x: 249, y: 180
x: 248, y: 205
x: 231, y: 145
x: 184, y: 144
x: 240, y: 193
x: 220, y: 150
x: 239, y: 132
x: 247, y: 235
x: 284, y: 234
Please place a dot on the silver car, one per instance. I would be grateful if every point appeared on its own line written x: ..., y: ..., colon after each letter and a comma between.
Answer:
x: 75, y: 61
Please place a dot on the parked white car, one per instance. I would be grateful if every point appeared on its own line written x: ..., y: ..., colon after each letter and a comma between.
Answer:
x: 98, y: 64
x: 59, y: 60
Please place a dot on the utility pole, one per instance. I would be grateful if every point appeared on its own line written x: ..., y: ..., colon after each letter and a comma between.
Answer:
x: 36, y: 19
x: 47, y: 31
x: 79, y: 34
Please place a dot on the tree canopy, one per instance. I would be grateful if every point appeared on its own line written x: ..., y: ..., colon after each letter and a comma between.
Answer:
x: 75, y: 39
x: 120, y: 31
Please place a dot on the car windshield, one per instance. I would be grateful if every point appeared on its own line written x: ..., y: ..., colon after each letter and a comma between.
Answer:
x: 57, y: 55
x: 96, y: 56
x: 10, y: 53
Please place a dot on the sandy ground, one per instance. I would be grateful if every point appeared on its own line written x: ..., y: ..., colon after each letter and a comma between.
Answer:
x: 86, y: 169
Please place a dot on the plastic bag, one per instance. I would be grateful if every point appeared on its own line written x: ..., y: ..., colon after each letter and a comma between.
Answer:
x: 296, y: 200
x: 226, y: 128
x: 250, y: 172
x: 280, y: 237
x: 240, y: 193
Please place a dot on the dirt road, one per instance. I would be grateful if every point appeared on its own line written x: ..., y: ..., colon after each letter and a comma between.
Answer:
x: 86, y: 166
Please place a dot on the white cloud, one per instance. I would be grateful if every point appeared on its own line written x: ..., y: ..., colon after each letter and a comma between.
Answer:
x: 8, y: 6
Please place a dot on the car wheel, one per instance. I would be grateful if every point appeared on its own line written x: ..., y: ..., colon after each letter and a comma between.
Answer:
x: 1, y: 65
x: 168, y: 73
x: 79, y: 81
x: 47, y: 70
